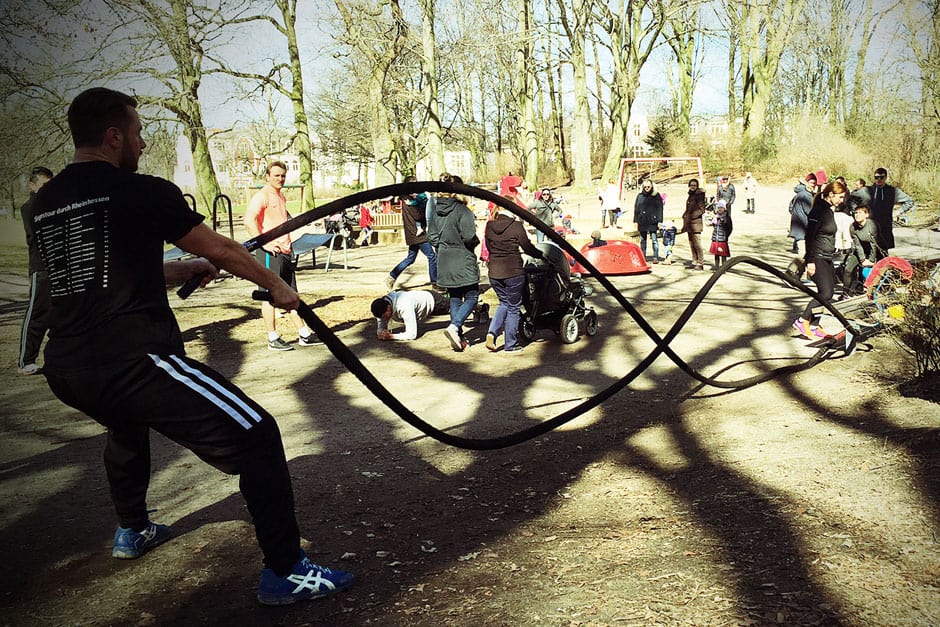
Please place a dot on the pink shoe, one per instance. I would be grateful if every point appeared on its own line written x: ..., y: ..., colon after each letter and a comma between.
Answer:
x: 808, y: 330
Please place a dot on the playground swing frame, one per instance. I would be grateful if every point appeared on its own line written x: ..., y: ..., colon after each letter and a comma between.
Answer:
x: 650, y: 161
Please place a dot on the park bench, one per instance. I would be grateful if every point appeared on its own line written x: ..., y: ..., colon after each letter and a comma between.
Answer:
x: 386, y: 222
x: 309, y: 242
x: 304, y: 245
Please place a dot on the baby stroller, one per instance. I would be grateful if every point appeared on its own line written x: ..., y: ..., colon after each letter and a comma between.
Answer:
x: 345, y: 223
x: 553, y: 299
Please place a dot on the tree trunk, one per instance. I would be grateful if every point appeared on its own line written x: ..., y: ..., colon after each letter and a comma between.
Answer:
x: 302, y: 140
x: 576, y: 30
x: 383, y: 145
x: 763, y: 53
x: 632, y: 41
x: 732, y: 77
x: 433, y: 131
x: 188, y: 59
x: 867, y: 20
x: 528, y: 141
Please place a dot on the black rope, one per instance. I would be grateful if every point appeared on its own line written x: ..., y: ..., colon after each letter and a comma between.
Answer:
x: 662, y: 344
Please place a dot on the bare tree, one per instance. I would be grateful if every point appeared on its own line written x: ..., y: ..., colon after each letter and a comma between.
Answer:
x: 285, y: 78
x: 433, y: 132
x: 554, y: 83
x: 378, y: 37
x: 523, y: 97
x: 167, y: 41
x: 764, y: 31
x: 44, y: 63
x: 684, y: 34
x: 922, y: 24
x: 633, y: 30
x: 576, y: 22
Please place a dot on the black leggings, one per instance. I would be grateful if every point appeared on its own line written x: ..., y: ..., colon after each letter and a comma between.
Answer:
x: 825, y: 280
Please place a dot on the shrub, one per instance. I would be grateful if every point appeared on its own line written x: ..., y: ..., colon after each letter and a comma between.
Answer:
x: 914, y: 321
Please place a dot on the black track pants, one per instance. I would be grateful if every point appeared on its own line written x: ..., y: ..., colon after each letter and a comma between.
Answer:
x: 35, y: 320
x: 198, y: 408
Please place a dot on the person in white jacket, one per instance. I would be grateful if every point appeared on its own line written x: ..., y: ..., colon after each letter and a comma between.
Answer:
x: 408, y: 308
x: 610, y: 203
x: 750, y: 192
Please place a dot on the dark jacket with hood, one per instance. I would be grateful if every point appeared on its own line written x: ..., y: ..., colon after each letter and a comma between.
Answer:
x: 694, y: 209
x: 800, y: 206
x: 504, y: 237
x: 648, y: 211
x: 454, y: 235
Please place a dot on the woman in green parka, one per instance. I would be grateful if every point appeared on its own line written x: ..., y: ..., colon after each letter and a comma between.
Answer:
x: 453, y: 234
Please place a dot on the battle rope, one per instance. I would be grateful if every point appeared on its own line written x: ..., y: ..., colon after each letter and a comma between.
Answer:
x: 356, y: 367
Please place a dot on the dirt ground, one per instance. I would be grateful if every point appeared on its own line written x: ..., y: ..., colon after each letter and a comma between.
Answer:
x: 811, y: 499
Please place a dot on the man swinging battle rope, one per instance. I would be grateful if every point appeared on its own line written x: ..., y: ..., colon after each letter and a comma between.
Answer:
x: 115, y: 351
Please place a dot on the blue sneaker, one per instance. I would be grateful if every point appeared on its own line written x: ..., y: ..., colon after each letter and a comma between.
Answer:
x: 305, y: 581
x: 130, y: 544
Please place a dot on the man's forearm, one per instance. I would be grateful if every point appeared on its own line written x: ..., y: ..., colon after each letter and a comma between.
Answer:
x: 227, y: 254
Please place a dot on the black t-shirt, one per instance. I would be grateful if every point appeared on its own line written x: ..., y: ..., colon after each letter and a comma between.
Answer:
x: 101, y: 232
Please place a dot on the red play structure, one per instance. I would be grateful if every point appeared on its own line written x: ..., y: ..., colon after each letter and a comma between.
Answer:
x: 615, y: 257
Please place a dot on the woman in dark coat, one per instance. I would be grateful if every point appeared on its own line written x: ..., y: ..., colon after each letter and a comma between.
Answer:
x: 453, y: 233
x: 800, y: 206
x: 692, y: 223
x: 820, y: 251
x: 648, y: 217
x: 504, y: 237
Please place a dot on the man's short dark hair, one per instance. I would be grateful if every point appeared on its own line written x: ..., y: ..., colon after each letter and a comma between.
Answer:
x: 276, y: 164
x: 881, y: 172
x: 380, y: 306
x: 39, y: 172
x: 96, y: 110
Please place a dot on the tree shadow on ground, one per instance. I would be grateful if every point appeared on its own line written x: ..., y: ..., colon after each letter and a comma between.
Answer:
x: 412, y: 515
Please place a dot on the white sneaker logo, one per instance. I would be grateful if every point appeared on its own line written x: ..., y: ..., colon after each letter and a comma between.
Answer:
x: 149, y: 533
x: 312, y: 580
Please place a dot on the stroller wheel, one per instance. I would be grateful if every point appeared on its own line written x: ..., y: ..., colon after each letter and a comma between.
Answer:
x: 590, y: 324
x: 527, y: 328
x: 569, y: 329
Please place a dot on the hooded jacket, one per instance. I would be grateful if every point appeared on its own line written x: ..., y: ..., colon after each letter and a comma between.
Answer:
x: 454, y: 235
x: 504, y: 237
x: 800, y: 206
x: 648, y: 210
